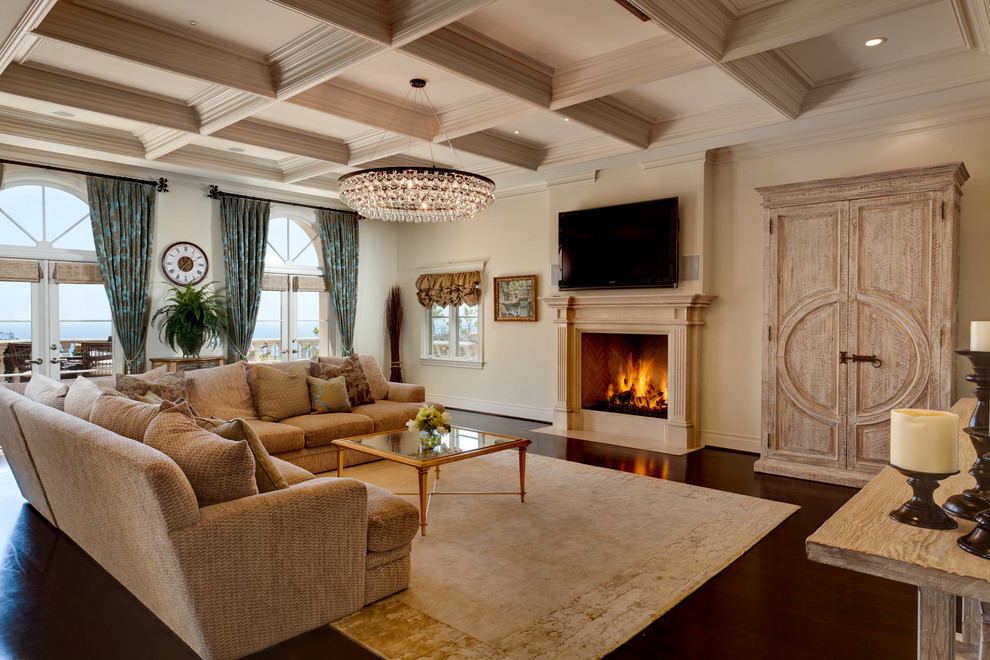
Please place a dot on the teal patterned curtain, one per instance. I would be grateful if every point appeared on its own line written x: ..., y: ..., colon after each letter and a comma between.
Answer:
x: 244, y: 228
x: 339, y: 236
x: 123, y: 217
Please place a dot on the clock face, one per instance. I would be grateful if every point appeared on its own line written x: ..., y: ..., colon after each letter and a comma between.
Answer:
x: 184, y: 263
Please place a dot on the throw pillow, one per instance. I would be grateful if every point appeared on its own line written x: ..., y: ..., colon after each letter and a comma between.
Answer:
x: 282, y: 394
x: 323, y: 370
x: 81, y: 396
x: 379, y: 386
x: 266, y: 474
x: 328, y: 395
x: 47, y: 391
x: 358, y: 388
x: 122, y: 415
x: 154, y: 374
x: 169, y: 387
x: 251, y: 370
x: 220, y: 392
x: 218, y: 470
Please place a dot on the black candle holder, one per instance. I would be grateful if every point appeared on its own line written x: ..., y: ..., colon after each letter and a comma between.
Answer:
x: 972, y: 501
x: 921, y: 510
x: 977, y: 542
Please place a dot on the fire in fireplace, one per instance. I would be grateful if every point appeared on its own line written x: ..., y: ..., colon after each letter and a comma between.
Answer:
x: 625, y: 374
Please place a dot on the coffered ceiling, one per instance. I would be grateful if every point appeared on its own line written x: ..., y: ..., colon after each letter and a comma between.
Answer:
x: 291, y: 94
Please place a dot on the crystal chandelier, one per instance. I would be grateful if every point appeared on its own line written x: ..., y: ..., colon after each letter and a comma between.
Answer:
x: 416, y: 194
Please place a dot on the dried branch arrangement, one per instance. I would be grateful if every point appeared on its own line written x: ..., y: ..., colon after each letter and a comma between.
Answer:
x: 393, y: 324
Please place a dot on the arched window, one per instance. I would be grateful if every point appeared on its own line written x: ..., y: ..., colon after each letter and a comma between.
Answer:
x: 293, y: 318
x: 55, y: 319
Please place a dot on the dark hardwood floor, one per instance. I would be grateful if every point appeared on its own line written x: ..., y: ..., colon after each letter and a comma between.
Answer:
x: 55, y: 602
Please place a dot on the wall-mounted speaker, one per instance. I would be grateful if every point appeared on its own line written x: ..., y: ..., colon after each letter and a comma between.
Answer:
x: 554, y: 274
x: 690, y: 267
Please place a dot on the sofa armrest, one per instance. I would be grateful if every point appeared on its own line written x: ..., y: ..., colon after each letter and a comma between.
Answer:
x: 406, y: 392
x: 265, y: 568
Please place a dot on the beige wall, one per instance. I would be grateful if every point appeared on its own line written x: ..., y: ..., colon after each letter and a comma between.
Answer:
x: 721, y: 219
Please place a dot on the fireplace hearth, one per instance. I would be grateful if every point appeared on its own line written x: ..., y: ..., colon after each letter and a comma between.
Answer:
x: 599, y: 335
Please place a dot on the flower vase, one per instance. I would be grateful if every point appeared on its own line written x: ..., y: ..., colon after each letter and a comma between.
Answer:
x: 429, y: 439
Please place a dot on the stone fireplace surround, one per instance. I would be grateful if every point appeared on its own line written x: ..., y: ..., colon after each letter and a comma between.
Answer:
x: 680, y: 317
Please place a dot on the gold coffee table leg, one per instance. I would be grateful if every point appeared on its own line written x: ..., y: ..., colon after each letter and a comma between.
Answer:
x: 522, y: 474
x: 423, y: 498
x: 340, y: 462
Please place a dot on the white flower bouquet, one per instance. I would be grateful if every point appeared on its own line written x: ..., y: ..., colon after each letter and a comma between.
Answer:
x: 431, y: 420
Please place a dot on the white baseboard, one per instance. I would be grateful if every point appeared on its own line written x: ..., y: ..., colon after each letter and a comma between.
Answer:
x: 730, y: 441
x: 492, y: 407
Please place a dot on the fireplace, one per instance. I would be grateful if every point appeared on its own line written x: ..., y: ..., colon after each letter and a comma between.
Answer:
x: 624, y: 373
x: 608, y: 339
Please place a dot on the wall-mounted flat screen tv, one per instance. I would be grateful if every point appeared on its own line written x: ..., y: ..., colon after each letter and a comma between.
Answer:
x: 626, y: 246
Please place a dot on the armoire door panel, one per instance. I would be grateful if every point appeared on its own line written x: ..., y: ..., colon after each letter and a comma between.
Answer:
x: 804, y: 437
x: 872, y: 448
x: 893, y: 248
x: 884, y: 329
x: 806, y: 350
x: 803, y: 233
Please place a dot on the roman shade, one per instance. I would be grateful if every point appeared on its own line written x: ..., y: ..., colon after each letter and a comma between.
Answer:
x: 18, y: 270
x: 449, y: 289
x: 309, y: 283
x: 275, y: 282
x: 66, y: 272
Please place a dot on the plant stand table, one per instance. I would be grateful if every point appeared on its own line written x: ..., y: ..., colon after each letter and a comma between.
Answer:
x: 458, y: 445
x: 861, y: 537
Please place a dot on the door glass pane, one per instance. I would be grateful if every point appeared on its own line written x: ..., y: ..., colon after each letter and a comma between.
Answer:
x: 266, y: 343
x: 15, y: 329
x: 308, y: 323
x: 85, y: 331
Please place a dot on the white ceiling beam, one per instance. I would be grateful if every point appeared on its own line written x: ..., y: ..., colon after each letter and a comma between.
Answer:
x: 316, y: 57
x: 17, y: 19
x: 611, y: 117
x: 722, y: 120
x: 771, y: 77
x: 704, y: 24
x: 206, y: 159
x: 638, y: 64
x: 366, y: 18
x: 273, y: 136
x: 297, y: 168
x: 474, y: 56
x: 973, y: 17
x: 413, y: 19
x: 74, y: 92
x: 581, y: 150
x: 367, y: 107
x: 29, y: 129
x: 489, y: 144
x: 482, y: 112
x: 780, y: 24
x: 106, y: 33
x: 159, y: 141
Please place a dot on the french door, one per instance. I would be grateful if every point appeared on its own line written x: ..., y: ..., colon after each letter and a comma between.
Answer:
x: 55, y: 320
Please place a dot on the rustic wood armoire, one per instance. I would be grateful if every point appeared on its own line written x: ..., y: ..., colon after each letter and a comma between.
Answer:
x: 860, y: 292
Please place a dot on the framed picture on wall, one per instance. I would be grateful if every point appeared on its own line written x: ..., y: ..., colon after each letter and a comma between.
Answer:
x: 515, y: 298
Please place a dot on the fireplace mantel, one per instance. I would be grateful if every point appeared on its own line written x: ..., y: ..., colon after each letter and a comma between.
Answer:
x: 679, y: 316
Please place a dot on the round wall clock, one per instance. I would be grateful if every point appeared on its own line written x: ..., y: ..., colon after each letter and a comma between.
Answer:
x: 184, y: 263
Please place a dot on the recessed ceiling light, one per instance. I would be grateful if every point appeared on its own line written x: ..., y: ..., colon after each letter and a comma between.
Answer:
x: 876, y: 41
x: 63, y: 113
x: 236, y: 149
x: 516, y: 132
x: 194, y: 23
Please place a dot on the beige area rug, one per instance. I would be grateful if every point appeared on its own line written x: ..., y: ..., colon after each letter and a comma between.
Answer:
x: 591, y: 558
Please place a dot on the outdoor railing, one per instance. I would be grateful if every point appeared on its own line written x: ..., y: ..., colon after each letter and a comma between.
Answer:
x: 272, y: 349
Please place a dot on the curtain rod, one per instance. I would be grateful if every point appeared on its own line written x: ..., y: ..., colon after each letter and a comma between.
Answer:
x: 161, y: 185
x: 216, y: 193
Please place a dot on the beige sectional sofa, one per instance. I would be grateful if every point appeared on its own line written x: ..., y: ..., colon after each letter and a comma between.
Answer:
x: 230, y: 392
x: 230, y: 578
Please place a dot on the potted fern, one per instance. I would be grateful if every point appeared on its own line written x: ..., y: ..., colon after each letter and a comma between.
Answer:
x: 191, y: 318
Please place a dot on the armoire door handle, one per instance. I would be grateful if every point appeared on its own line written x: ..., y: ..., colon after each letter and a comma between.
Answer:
x: 872, y: 359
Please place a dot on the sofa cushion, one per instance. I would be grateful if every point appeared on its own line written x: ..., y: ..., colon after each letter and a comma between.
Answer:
x: 328, y: 395
x: 218, y: 470
x: 220, y: 392
x: 47, y: 390
x: 122, y: 415
x: 170, y: 387
x: 389, y: 415
x: 392, y: 521
x: 81, y: 396
x: 321, y: 429
x: 278, y: 437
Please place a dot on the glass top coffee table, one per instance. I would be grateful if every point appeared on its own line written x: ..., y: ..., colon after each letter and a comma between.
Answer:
x: 458, y: 445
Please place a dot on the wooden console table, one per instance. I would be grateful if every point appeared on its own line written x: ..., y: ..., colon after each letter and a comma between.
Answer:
x: 187, y: 363
x: 862, y: 537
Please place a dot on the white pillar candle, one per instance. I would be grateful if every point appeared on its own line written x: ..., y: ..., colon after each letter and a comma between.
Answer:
x: 979, y: 336
x: 924, y: 440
